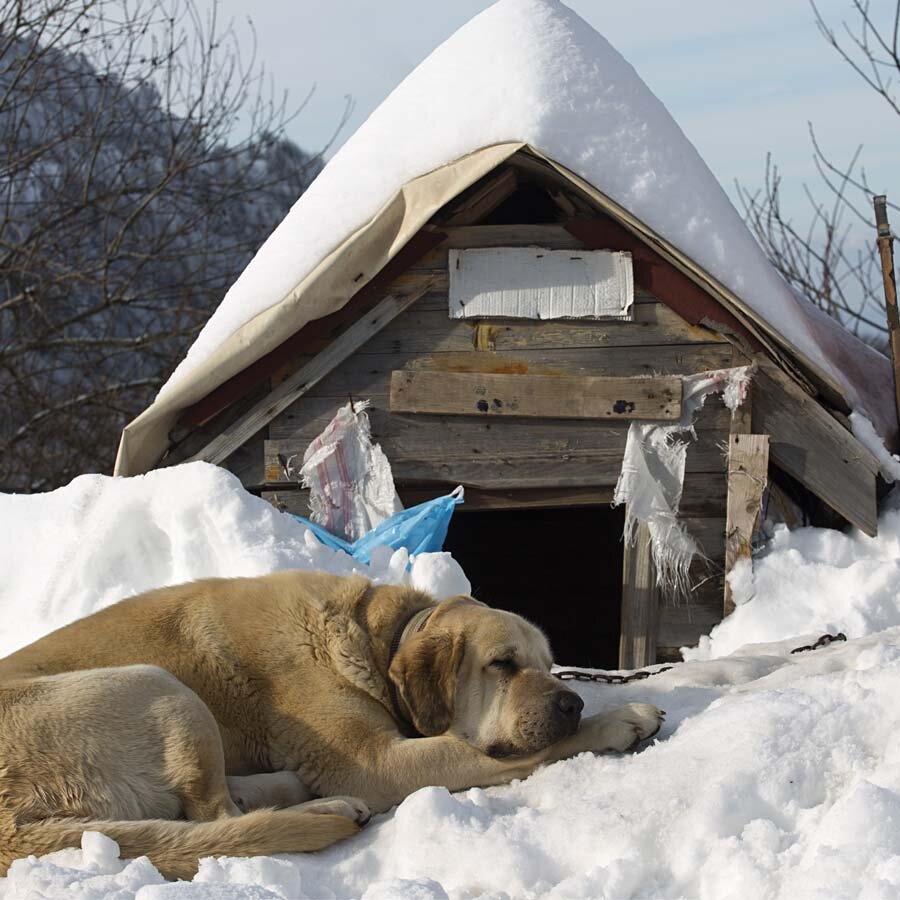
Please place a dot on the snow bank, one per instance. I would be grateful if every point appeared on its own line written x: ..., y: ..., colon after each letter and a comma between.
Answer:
x: 813, y: 580
x: 776, y: 775
x: 70, y: 552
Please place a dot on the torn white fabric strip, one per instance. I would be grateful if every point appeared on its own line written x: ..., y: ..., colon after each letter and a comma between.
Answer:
x: 351, y: 487
x: 652, y: 476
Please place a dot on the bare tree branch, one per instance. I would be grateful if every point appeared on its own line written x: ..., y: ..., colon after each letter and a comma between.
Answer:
x: 127, y: 208
x: 830, y: 258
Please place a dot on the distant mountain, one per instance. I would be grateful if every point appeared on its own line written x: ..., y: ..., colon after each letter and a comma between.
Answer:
x: 122, y: 224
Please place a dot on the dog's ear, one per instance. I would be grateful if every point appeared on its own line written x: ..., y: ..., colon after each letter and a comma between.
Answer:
x: 424, y: 672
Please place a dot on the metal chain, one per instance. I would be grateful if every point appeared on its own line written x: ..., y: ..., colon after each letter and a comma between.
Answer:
x: 607, y: 678
x: 823, y: 641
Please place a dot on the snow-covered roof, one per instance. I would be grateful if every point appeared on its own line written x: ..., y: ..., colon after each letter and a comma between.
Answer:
x: 523, y: 72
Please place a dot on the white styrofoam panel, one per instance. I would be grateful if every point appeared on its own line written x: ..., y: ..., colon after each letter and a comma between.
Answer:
x: 535, y: 283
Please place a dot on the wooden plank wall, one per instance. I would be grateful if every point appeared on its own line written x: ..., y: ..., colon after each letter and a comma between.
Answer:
x: 430, y: 453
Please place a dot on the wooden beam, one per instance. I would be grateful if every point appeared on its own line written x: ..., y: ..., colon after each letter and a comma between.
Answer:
x: 807, y: 443
x: 886, y: 252
x: 556, y: 237
x: 748, y: 468
x: 483, y: 201
x: 640, y: 604
x: 704, y: 494
x: 536, y: 396
x: 557, y: 468
x: 294, y: 387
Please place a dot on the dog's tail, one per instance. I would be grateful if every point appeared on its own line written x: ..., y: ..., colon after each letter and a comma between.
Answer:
x: 175, y: 847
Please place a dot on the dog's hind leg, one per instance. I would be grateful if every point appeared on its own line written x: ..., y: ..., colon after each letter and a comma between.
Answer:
x: 276, y: 790
x: 285, y: 789
x: 118, y: 743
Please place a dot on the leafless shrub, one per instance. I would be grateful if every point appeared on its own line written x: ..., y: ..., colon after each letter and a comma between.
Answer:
x: 830, y: 258
x: 127, y: 207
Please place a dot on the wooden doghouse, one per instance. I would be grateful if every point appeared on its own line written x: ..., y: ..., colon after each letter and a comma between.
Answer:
x: 531, y: 414
x: 495, y: 299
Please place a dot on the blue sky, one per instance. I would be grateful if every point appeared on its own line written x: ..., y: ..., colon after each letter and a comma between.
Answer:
x: 740, y: 78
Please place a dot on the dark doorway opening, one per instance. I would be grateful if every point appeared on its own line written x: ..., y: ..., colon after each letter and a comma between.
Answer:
x: 560, y: 568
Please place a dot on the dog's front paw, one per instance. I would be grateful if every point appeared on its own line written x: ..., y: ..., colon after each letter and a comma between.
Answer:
x: 624, y: 728
x: 349, y: 807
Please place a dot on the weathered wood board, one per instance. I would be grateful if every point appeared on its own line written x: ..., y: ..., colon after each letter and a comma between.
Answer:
x: 640, y: 604
x: 427, y: 328
x: 704, y: 497
x: 369, y: 374
x: 301, y: 381
x: 535, y: 396
x: 748, y: 468
x: 684, y: 621
x: 410, y: 432
x: 811, y: 446
x: 532, y: 468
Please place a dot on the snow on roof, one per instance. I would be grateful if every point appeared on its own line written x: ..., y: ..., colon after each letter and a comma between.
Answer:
x: 530, y: 71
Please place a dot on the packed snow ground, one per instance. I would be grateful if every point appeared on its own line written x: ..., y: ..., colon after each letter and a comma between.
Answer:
x: 776, y: 775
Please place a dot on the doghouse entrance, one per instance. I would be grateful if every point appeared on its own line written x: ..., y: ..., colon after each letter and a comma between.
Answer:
x: 560, y: 568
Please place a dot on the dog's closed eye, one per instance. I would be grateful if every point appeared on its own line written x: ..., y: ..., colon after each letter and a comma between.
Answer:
x: 506, y: 666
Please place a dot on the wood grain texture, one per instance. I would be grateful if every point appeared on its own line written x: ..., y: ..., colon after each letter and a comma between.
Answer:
x: 291, y: 389
x: 748, y: 471
x: 427, y: 328
x: 536, y: 396
x: 304, y: 421
x: 811, y: 446
x: 529, y: 468
x: 640, y: 604
x: 310, y: 338
x: 369, y: 374
x: 705, y: 496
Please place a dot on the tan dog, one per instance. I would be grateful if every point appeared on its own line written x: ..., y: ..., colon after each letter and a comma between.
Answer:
x: 171, y: 720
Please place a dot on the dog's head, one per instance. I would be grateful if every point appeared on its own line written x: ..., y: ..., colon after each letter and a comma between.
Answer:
x: 484, y: 675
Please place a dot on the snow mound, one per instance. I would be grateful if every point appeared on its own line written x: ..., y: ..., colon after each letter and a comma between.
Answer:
x: 776, y: 775
x: 811, y: 581
x: 75, y: 550
x: 535, y: 72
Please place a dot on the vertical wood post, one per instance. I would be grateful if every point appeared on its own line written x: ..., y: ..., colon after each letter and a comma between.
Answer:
x: 886, y: 252
x: 748, y: 470
x: 640, y: 604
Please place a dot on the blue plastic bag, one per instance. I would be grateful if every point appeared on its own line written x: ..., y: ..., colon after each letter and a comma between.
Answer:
x: 420, y: 529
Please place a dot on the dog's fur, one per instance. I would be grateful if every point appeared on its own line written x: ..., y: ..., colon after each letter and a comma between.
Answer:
x: 173, y: 720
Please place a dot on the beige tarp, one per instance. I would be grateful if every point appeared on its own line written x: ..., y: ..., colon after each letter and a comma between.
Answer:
x: 335, y: 280
x: 326, y: 289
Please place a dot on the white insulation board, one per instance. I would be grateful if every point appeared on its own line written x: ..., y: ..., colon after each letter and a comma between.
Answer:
x: 536, y: 283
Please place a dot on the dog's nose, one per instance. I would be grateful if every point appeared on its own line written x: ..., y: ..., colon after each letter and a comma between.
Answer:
x: 569, y: 704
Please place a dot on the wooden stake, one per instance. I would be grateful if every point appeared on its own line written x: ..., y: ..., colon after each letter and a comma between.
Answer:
x: 886, y: 251
x: 748, y: 470
x: 640, y: 604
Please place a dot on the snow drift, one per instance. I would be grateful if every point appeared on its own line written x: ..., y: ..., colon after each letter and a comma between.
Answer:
x: 73, y: 551
x: 776, y: 775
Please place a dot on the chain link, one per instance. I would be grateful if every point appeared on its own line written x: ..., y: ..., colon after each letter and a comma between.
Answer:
x: 607, y: 678
x: 823, y: 641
